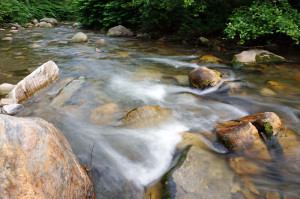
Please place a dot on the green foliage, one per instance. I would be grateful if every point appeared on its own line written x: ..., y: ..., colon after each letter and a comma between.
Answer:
x: 268, y: 129
x: 99, y: 14
x: 5, y: 8
x: 22, y: 11
x: 262, y: 18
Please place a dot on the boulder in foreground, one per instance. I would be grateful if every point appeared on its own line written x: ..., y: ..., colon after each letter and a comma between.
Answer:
x: 119, y: 31
x: 38, y: 79
x: 37, y: 162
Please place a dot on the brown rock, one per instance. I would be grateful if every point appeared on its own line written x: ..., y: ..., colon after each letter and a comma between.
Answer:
x: 268, y: 122
x: 289, y: 143
x: 38, y: 79
x: 104, y: 114
x: 37, y: 162
x: 208, y: 59
x: 191, y: 139
x: 154, y: 191
x: 277, y: 85
x: 146, y: 115
x: 202, y: 175
x: 203, y: 77
x: 244, y: 166
x: 242, y: 138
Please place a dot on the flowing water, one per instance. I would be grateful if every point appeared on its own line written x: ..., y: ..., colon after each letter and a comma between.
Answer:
x: 132, y: 73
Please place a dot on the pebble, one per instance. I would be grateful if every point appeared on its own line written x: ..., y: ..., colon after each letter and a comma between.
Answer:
x: 7, y: 39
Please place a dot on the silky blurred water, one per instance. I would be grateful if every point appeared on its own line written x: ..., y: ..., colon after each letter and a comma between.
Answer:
x: 132, y: 73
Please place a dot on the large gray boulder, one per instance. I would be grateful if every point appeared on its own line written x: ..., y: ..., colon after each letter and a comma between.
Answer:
x: 255, y: 56
x: 79, y: 37
x: 119, y: 31
x: 36, y: 161
x: 35, y: 81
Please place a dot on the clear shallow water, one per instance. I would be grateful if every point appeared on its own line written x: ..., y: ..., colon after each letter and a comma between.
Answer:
x: 133, y: 73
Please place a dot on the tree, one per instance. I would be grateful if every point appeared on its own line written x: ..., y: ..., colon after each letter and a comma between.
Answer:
x: 262, y: 18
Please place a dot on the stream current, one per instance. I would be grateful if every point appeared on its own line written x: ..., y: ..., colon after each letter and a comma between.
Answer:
x: 132, y: 73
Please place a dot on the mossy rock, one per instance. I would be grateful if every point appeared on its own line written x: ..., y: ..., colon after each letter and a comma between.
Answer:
x: 265, y: 58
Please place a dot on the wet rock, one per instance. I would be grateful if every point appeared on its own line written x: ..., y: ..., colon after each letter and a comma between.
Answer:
x: 44, y: 25
x: 13, y: 28
x: 154, y: 191
x: 76, y: 25
x: 208, y: 59
x: 35, y: 81
x: 145, y: 115
x: 255, y: 56
x: 202, y: 175
x: 36, y: 46
x: 182, y: 79
x: 7, y: 101
x: 119, y: 31
x: 277, y: 85
x: 242, y: 138
x: 35, y: 21
x: 267, y: 92
x: 6, y: 88
x: 50, y: 20
x: 104, y: 114
x: 123, y: 53
x: 204, y: 41
x: 101, y: 41
x: 191, y: 139
x: 7, y: 39
x: 12, y: 109
x: 203, y: 77
x: 67, y: 92
x: 38, y: 162
x: 289, y: 143
x: 268, y: 123
x: 79, y: 37
x: 14, y: 31
x: 244, y: 166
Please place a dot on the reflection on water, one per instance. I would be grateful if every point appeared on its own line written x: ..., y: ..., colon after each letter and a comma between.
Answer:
x: 132, y: 73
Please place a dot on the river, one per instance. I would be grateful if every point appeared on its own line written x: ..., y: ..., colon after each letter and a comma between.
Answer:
x: 132, y: 73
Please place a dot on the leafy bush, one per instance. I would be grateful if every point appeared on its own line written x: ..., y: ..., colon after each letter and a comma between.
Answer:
x: 262, y: 18
x: 100, y: 14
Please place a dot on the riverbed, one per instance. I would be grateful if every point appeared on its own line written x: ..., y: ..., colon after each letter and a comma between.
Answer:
x: 131, y: 73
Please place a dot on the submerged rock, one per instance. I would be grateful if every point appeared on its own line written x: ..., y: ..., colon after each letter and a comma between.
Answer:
x: 6, y: 88
x: 154, y: 191
x: 208, y: 59
x: 202, y: 174
x: 7, y: 39
x: 38, y: 79
x: 119, y: 31
x: 67, y: 92
x: 145, y: 115
x: 255, y: 56
x: 79, y: 37
x: 37, y: 162
x: 12, y: 109
x: 104, y: 114
x: 203, y: 77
